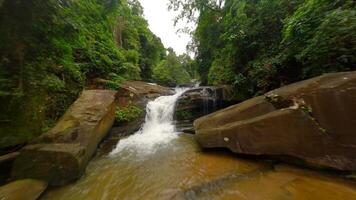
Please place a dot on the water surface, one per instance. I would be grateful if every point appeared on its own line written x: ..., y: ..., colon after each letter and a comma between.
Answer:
x: 159, y: 163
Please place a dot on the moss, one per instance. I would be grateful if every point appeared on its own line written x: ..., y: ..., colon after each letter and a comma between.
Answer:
x: 128, y: 114
x: 307, y: 110
x: 21, y: 119
x: 184, y: 115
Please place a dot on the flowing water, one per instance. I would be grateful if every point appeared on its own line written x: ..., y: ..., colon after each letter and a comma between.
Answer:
x: 158, y: 163
x: 157, y: 131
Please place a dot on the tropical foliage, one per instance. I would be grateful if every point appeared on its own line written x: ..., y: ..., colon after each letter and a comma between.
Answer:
x: 50, y: 50
x: 263, y: 44
x: 173, y: 70
x: 128, y: 114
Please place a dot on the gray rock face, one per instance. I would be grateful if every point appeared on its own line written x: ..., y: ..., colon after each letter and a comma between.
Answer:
x: 61, y: 155
x: 313, y: 121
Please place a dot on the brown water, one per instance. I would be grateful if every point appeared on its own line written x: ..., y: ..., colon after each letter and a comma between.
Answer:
x: 157, y: 163
x: 181, y: 170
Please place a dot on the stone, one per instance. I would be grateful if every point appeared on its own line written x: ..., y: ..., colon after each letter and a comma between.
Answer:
x: 278, y: 184
x: 201, y: 101
x: 312, y: 122
x: 246, y: 110
x: 6, y: 162
x: 8, y: 157
x: 331, y: 98
x: 23, y: 189
x: 61, y: 155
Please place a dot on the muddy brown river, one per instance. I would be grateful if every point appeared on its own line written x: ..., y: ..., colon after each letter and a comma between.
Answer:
x: 183, y: 171
x: 157, y: 163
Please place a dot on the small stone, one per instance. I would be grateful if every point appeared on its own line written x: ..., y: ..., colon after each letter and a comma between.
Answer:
x: 226, y: 139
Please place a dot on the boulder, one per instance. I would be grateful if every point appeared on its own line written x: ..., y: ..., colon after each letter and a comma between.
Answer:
x: 133, y: 90
x: 331, y: 100
x: 23, y: 189
x: 313, y: 122
x: 6, y: 162
x: 245, y: 110
x: 8, y: 157
x: 61, y: 155
x: 201, y: 101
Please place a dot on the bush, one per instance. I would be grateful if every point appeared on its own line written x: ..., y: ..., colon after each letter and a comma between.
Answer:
x: 128, y: 114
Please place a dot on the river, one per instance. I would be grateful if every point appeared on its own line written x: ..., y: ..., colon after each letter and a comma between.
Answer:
x: 159, y: 163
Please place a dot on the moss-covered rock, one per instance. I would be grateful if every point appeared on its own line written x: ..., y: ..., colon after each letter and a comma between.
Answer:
x: 61, y: 155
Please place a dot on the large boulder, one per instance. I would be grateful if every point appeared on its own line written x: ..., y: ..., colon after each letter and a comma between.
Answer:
x: 23, y: 189
x: 313, y: 121
x: 61, y: 155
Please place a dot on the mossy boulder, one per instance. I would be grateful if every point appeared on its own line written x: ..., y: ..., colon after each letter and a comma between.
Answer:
x: 61, y: 155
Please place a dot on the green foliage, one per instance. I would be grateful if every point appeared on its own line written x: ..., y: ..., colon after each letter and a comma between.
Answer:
x: 321, y: 35
x: 264, y: 44
x: 184, y: 115
x: 128, y: 114
x: 51, y: 49
x: 172, y: 70
x: 218, y: 74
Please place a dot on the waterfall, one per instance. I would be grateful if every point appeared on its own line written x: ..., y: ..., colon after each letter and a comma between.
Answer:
x: 158, y: 128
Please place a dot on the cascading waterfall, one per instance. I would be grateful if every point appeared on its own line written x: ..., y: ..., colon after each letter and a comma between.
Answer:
x: 158, y: 128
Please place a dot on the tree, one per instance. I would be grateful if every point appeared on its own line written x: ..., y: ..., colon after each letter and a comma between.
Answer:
x: 263, y: 44
x: 171, y: 71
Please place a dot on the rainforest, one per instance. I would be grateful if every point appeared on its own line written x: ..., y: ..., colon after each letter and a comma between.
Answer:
x: 263, y: 97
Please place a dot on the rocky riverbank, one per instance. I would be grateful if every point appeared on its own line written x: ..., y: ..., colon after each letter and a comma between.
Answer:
x: 312, y: 123
x: 285, y: 124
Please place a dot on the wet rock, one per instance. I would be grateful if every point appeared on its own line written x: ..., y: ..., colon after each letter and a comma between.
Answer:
x: 8, y: 157
x: 245, y: 110
x: 185, y: 126
x: 134, y: 90
x: 283, y: 183
x: 61, y: 155
x: 6, y: 162
x: 313, y: 121
x: 23, y: 189
x: 201, y: 101
x: 119, y: 132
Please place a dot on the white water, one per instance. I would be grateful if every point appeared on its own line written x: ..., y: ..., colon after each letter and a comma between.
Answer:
x: 158, y: 129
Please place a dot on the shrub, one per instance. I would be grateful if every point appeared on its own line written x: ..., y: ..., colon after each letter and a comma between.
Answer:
x: 127, y: 114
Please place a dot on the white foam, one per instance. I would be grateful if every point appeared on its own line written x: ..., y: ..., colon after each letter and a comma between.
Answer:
x: 158, y: 128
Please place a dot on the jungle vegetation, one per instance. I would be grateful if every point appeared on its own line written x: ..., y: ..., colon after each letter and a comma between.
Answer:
x: 51, y: 50
x: 259, y: 45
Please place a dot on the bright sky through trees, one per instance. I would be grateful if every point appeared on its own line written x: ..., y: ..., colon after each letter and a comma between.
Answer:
x: 161, y: 23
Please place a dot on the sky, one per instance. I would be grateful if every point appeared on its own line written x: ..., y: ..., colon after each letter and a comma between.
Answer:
x: 161, y: 23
